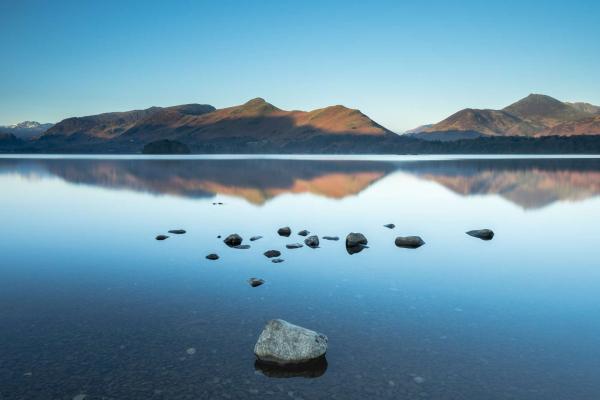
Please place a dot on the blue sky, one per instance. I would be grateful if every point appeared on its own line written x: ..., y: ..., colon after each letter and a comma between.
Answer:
x: 402, y: 63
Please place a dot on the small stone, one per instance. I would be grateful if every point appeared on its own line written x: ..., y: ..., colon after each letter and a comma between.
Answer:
x: 391, y: 226
x: 254, y: 282
x: 255, y: 238
x: 242, y: 247
x: 284, y: 344
x: 409, y: 242
x: 272, y: 253
x: 312, y: 242
x: 177, y: 231
x: 233, y: 240
x: 285, y: 231
x: 218, y: 236
x: 162, y: 237
x: 304, y: 233
x: 212, y: 256
x: 331, y: 238
x: 277, y: 260
x: 294, y: 245
x: 191, y: 351
x: 483, y: 234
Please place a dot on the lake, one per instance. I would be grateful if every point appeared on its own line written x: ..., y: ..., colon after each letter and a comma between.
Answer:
x: 93, y: 307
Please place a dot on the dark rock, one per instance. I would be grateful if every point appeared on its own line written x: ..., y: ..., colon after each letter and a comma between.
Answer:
x: 177, y: 231
x: 242, y: 247
x: 304, y: 233
x: 410, y: 242
x: 294, y: 245
x: 212, y: 256
x: 162, y: 237
x: 355, y: 243
x: 331, y: 238
x: 312, y: 242
x: 285, y: 344
x: 391, y: 226
x: 219, y: 237
x: 483, y: 234
x: 277, y: 260
x: 272, y: 253
x: 255, y: 238
x: 286, y: 231
x: 233, y: 240
x: 254, y: 282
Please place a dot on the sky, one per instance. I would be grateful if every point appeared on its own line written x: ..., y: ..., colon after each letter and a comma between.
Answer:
x: 402, y: 63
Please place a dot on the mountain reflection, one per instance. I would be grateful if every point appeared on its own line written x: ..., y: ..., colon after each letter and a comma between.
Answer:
x: 532, y: 183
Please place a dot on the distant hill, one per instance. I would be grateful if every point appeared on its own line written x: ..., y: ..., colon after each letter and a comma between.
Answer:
x: 26, y: 130
x: 251, y: 126
x: 533, y: 116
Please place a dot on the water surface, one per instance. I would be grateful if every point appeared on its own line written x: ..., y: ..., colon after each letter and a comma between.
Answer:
x: 91, y: 304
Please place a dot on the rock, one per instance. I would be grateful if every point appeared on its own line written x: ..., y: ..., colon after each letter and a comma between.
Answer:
x: 277, y: 260
x: 391, y: 226
x: 212, y: 256
x: 242, y: 247
x: 218, y: 236
x: 312, y: 242
x: 255, y: 238
x: 331, y: 238
x: 286, y: 231
x: 294, y: 245
x: 286, y: 344
x: 162, y: 237
x: 177, y: 231
x: 233, y: 240
x: 410, y: 242
x: 355, y: 243
x: 272, y: 253
x: 254, y: 282
x: 304, y: 233
x: 483, y: 234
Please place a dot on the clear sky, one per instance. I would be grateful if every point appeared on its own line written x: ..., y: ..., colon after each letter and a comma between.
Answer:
x: 402, y: 63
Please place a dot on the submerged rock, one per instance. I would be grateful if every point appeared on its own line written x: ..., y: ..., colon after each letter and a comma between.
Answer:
x: 391, y: 226
x: 212, y: 256
x: 162, y: 237
x: 277, y: 260
x: 272, y: 253
x: 287, y: 344
x: 304, y: 233
x: 242, y: 247
x: 312, y: 242
x: 285, y: 231
x: 254, y: 282
x: 233, y: 240
x: 355, y: 243
x: 483, y: 234
x: 294, y: 245
x: 313, y: 369
x: 255, y: 238
x: 410, y: 242
x: 331, y: 238
x: 177, y: 231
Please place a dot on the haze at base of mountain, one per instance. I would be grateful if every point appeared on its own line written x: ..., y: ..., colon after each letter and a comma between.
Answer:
x: 533, y: 116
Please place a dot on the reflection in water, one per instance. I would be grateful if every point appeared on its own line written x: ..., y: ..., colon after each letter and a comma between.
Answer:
x: 312, y: 369
x: 529, y: 183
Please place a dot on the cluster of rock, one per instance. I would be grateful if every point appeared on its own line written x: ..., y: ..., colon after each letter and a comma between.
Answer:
x: 282, y: 344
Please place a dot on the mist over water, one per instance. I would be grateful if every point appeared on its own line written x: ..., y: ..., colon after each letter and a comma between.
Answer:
x: 91, y: 304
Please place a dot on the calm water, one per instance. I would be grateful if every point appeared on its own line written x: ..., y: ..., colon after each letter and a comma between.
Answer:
x: 91, y: 304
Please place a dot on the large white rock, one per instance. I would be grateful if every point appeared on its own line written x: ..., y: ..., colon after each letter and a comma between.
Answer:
x: 283, y: 343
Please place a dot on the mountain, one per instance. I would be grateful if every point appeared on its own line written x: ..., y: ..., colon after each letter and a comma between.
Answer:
x: 252, y: 126
x: 535, y: 115
x: 25, y: 130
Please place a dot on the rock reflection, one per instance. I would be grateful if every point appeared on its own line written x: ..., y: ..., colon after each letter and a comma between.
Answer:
x: 313, y: 369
